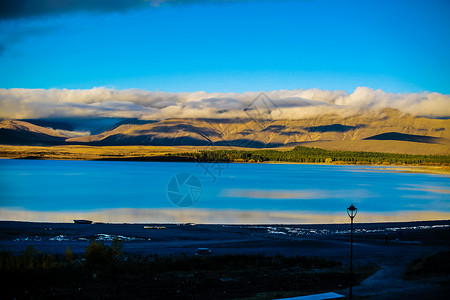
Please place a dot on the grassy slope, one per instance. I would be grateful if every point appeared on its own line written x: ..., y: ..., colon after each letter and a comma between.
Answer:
x: 93, y: 152
x: 382, y: 146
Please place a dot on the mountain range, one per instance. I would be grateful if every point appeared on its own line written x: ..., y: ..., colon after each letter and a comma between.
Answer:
x: 388, y: 130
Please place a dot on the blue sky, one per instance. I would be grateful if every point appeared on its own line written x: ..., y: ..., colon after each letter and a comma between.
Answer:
x: 237, y: 46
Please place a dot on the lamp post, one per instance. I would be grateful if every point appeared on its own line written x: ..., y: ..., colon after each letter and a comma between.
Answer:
x: 351, y: 211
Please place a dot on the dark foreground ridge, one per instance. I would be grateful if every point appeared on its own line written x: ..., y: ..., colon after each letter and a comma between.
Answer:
x: 156, y: 261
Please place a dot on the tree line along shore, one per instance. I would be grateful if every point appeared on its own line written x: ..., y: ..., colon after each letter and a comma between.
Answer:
x: 302, y: 154
x: 298, y: 154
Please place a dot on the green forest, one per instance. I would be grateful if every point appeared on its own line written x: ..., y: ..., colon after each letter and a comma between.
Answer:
x: 316, y: 155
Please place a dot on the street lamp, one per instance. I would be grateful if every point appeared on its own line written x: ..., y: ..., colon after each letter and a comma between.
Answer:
x: 351, y: 211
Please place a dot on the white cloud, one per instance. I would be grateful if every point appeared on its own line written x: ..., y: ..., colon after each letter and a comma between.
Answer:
x: 72, y: 134
x: 134, y: 103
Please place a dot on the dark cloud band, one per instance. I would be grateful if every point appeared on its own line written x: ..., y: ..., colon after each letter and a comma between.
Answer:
x: 15, y: 9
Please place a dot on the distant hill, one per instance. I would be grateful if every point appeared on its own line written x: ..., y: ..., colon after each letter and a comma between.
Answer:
x: 24, y: 133
x: 385, y: 131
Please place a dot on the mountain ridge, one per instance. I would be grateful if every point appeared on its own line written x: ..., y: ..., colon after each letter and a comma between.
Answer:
x: 365, y: 128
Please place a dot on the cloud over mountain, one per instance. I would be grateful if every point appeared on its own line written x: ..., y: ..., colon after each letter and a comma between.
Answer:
x: 282, y: 104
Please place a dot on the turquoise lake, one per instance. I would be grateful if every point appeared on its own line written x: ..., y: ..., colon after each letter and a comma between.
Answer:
x: 43, y: 188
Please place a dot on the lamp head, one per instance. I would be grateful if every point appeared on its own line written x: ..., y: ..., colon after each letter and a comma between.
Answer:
x: 352, y: 211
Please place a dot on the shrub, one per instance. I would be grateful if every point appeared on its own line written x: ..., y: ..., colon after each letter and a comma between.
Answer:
x: 116, y: 246
x: 433, y: 265
x: 49, y: 261
x: 68, y: 254
x: 8, y: 261
x: 99, y: 253
x: 28, y: 259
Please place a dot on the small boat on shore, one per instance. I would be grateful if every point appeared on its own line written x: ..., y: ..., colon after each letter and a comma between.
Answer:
x: 82, y: 221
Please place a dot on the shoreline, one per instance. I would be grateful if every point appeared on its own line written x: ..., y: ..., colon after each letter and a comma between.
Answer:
x: 215, y: 217
x: 423, y: 169
x: 408, y: 225
x: 445, y: 222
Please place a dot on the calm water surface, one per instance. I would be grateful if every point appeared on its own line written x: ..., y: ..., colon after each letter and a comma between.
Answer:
x: 48, y: 185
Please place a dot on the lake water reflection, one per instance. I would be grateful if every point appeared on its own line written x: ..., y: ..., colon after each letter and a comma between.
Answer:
x: 46, y: 190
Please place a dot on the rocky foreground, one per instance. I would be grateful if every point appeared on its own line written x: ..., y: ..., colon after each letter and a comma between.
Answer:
x: 256, y: 262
